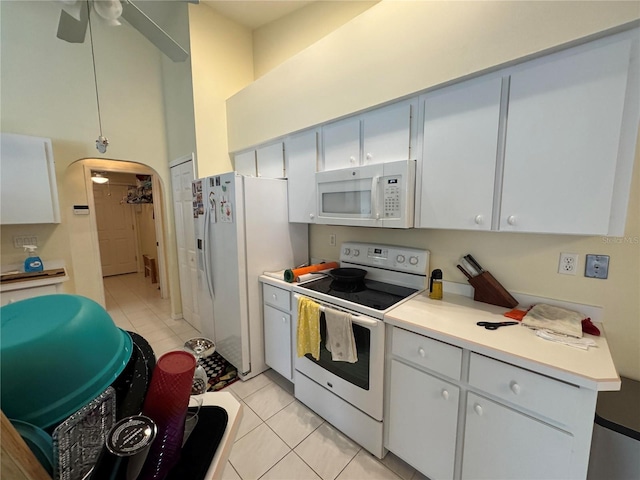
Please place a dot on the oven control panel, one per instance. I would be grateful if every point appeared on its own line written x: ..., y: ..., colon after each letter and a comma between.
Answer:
x: 390, y: 257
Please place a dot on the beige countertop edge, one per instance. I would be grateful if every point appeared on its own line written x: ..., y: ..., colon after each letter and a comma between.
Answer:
x: 453, y: 320
x: 233, y: 407
x: 41, y: 282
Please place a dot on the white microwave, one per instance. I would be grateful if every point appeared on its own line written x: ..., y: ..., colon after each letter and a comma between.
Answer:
x: 379, y: 195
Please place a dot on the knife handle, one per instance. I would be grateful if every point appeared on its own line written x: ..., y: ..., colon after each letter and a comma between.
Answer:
x: 466, y: 274
x: 469, y: 267
x: 474, y: 262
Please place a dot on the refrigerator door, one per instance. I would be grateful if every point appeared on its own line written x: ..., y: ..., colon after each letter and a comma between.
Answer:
x: 227, y: 259
x: 201, y: 219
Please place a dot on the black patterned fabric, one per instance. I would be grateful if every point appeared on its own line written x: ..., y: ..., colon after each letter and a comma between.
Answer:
x: 220, y: 372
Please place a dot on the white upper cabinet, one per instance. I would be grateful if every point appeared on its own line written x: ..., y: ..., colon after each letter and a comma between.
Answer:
x: 386, y: 134
x: 245, y: 163
x: 341, y: 142
x: 301, y: 153
x: 551, y: 150
x: 460, y: 144
x: 28, y: 190
x: 270, y: 161
x: 563, y: 137
x: 266, y: 161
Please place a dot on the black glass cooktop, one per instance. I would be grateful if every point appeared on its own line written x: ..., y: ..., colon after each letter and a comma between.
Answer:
x: 370, y: 293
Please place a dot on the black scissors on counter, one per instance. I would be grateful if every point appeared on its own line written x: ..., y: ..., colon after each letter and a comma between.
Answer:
x: 495, y: 325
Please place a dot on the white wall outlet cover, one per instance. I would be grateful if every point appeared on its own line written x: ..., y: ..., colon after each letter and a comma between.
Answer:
x: 568, y: 263
x: 596, y: 266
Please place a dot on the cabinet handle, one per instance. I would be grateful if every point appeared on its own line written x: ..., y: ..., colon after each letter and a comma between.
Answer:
x: 445, y: 394
x: 311, y: 216
x: 515, y: 388
x: 369, y: 157
x: 421, y: 352
x: 477, y: 408
x: 274, y: 296
x: 284, y: 319
x: 352, y: 160
x: 479, y: 219
x: 511, y: 220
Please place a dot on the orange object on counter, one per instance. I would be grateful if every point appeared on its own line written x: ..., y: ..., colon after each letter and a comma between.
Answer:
x: 292, y: 275
x: 515, y: 314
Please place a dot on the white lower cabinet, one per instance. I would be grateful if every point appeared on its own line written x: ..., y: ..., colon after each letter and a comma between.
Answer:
x: 423, y: 415
x: 277, y: 340
x: 495, y: 420
x: 502, y: 443
x: 22, y: 294
x: 277, y: 330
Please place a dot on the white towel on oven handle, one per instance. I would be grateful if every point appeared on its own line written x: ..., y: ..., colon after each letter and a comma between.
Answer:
x: 340, y: 340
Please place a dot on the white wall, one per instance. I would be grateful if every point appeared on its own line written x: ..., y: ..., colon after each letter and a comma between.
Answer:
x: 48, y: 90
x: 398, y: 48
x: 222, y: 64
x: 281, y: 39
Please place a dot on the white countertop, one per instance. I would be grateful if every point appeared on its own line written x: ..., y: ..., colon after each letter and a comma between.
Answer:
x: 453, y: 320
x: 286, y: 285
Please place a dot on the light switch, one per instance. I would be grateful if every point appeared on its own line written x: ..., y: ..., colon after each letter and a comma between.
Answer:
x: 596, y: 266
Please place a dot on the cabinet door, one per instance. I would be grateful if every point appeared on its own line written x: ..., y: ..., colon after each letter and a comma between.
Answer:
x: 563, y: 133
x: 422, y: 423
x: 270, y: 161
x: 502, y: 443
x: 301, y: 152
x: 245, y: 163
x: 459, y: 155
x: 341, y: 144
x: 17, y: 295
x: 386, y: 134
x: 28, y: 190
x: 277, y: 341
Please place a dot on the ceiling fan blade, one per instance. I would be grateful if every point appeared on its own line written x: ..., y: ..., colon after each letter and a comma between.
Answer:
x: 150, y: 29
x: 72, y: 30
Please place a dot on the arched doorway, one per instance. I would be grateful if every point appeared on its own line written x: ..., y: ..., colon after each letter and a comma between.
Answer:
x: 84, y: 232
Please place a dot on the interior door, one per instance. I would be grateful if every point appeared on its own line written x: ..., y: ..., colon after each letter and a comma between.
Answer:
x: 116, y: 230
x: 181, y: 178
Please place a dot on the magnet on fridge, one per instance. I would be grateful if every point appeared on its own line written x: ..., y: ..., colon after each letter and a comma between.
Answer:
x: 227, y: 212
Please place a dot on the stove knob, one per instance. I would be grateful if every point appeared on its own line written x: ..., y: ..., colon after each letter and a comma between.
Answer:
x: 413, y: 260
x: 356, y: 253
x: 400, y: 259
x: 347, y: 251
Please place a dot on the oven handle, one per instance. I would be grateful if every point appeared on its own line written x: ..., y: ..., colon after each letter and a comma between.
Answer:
x: 357, y: 319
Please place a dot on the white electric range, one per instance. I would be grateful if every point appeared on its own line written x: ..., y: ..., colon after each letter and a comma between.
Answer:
x: 350, y: 395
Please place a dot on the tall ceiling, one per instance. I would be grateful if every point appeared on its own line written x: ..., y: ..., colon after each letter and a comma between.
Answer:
x: 254, y: 14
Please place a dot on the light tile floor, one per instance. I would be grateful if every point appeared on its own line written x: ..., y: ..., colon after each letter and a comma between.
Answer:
x: 279, y: 438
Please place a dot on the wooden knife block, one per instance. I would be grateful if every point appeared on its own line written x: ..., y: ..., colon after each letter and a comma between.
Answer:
x: 488, y: 290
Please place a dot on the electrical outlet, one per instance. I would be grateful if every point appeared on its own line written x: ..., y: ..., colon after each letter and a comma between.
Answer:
x: 596, y: 266
x: 332, y: 239
x: 568, y: 264
x: 20, y: 240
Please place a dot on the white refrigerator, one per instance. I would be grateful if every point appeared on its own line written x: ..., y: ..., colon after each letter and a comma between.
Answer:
x: 242, y: 230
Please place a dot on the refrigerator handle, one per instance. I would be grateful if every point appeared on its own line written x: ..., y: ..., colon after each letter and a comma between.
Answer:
x: 205, y: 252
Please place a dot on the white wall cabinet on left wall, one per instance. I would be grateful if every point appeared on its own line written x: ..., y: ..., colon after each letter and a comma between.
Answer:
x: 28, y: 191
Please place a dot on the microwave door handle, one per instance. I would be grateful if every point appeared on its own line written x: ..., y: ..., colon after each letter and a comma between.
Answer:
x: 375, y: 207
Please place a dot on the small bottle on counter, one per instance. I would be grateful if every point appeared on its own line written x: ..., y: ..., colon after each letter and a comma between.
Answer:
x: 435, y: 285
x: 33, y: 262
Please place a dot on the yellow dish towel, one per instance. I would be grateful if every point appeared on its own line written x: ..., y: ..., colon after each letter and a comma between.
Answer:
x: 308, y: 334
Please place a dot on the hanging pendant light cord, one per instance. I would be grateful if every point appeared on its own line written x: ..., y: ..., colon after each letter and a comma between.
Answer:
x: 93, y: 59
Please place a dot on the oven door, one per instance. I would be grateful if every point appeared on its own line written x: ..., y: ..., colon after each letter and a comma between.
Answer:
x: 358, y: 383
